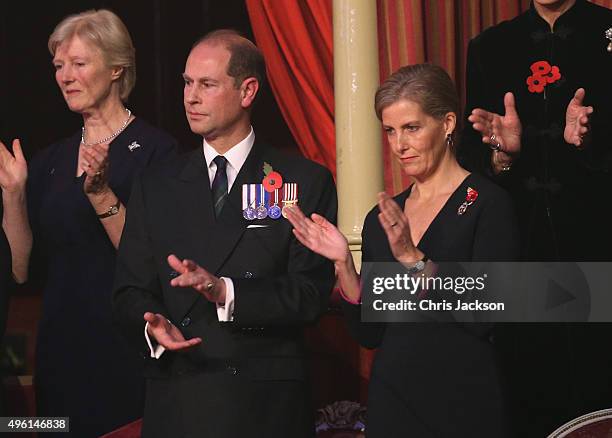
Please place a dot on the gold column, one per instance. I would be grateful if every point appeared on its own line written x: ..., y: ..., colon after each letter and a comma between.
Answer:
x: 359, y: 159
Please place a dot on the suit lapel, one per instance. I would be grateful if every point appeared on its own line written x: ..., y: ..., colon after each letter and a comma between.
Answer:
x: 213, y: 239
x: 231, y: 225
x: 216, y: 238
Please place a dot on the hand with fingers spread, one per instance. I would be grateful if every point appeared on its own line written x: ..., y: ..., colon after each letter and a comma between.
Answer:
x: 95, y: 164
x: 396, y: 226
x: 502, y: 133
x: 13, y: 168
x: 319, y: 235
x: 166, y: 334
x: 194, y: 276
x: 577, y: 119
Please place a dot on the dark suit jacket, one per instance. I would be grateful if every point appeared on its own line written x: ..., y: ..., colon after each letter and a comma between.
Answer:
x: 279, y: 287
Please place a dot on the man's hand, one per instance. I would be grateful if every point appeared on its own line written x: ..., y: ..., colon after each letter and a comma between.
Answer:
x: 166, y: 334
x: 577, y: 119
x: 193, y: 275
x: 502, y: 132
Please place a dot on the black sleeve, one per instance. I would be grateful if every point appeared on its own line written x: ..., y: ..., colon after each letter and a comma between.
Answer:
x: 367, y: 334
x: 137, y: 289
x: 472, y: 153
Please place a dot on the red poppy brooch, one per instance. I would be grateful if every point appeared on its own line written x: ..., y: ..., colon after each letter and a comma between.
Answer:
x: 261, y: 201
x: 470, y: 197
x: 543, y: 74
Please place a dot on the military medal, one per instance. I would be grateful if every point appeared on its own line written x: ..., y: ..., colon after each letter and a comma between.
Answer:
x: 261, y: 212
x: 470, y: 197
x: 290, y: 197
x: 248, y: 200
x: 274, y: 211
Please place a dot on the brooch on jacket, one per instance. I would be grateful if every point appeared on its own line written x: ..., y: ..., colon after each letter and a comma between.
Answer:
x: 608, y: 35
x: 543, y: 74
x: 133, y: 146
x: 470, y: 197
x: 260, y: 201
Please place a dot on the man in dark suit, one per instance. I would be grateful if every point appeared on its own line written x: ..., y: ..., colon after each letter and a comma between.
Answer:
x: 222, y: 299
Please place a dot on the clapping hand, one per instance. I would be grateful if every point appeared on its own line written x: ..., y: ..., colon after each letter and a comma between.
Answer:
x: 319, y: 235
x: 13, y: 168
x: 577, y: 119
x: 501, y: 132
x: 193, y: 275
x: 95, y: 164
x: 396, y: 226
x: 166, y: 334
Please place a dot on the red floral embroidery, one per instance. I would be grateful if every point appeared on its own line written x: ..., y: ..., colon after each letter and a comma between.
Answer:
x: 543, y: 74
x: 272, y: 181
x: 540, y: 67
x: 536, y: 84
x: 554, y: 75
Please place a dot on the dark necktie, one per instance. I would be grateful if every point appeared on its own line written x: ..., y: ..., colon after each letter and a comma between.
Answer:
x: 219, y: 185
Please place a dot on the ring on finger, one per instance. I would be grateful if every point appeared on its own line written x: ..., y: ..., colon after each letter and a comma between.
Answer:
x: 495, y: 145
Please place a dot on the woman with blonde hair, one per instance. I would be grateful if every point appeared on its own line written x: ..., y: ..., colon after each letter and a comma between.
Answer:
x: 67, y: 208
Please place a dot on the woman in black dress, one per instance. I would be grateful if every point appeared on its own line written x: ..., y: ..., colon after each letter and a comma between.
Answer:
x: 77, y: 190
x: 428, y: 379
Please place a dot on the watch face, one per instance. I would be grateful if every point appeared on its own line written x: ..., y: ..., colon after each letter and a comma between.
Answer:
x: 114, y: 210
x: 420, y: 265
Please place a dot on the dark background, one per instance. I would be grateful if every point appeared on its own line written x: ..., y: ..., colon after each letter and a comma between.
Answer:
x: 33, y: 109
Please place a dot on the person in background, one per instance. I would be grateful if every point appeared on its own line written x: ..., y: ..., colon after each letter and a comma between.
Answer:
x: 538, y: 114
x: 70, y: 204
x: 428, y: 379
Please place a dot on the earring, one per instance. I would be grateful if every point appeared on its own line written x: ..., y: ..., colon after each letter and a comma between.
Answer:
x: 449, y: 141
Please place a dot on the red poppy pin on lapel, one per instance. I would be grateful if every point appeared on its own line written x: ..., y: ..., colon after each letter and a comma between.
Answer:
x: 470, y: 197
x: 543, y: 74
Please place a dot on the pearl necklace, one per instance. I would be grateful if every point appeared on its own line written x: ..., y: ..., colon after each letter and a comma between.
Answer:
x: 110, y: 137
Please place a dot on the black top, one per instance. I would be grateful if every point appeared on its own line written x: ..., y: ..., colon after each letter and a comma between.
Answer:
x: 558, y: 189
x: 83, y: 370
x: 438, y: 379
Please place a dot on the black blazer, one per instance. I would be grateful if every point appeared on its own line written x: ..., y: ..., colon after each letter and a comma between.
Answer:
x: 279, y: 287
x: 439, y: 379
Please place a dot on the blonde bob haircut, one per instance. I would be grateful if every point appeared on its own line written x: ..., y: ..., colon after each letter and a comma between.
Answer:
x: 104, y: 30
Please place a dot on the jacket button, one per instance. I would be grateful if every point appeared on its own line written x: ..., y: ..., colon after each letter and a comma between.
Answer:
x: 248, y: 274
x: 186, y: 321
x: 232, y: 370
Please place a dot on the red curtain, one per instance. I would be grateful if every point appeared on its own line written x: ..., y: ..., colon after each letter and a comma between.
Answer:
x: 296, y: 39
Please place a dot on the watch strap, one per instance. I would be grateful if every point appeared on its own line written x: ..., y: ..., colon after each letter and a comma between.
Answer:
x: 112, y: 210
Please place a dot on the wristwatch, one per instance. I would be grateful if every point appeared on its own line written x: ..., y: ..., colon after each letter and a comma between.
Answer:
x: 112, y: 210
x: 418, y: 266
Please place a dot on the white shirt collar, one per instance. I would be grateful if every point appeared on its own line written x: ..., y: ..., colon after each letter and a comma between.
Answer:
x: 236, y: 155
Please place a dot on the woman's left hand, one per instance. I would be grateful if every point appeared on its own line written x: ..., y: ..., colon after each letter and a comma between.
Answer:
x: 395, y: 224
x: 96, y: 167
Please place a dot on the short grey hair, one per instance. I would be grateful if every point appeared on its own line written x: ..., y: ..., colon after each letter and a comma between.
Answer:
x: 105, y: 31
